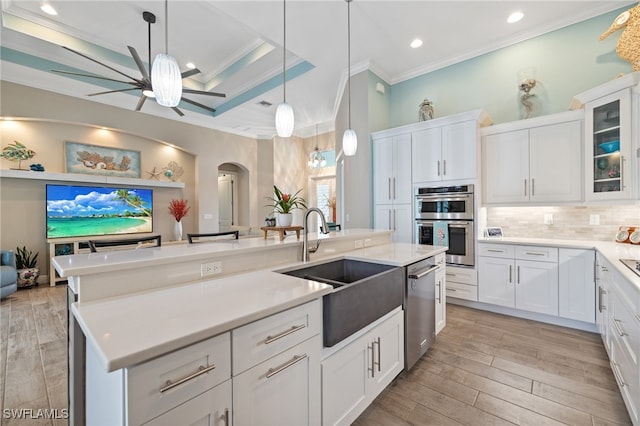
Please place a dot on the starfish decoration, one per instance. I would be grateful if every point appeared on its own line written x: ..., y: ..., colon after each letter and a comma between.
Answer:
x: 154, y: 174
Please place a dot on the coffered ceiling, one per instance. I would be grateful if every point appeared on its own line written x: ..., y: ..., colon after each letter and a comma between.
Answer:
x: 237, y: 45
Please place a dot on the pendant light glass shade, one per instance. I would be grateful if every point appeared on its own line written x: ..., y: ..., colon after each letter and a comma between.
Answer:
x: 166, y: 80
x: 284, y: 120
x: 349, y: 142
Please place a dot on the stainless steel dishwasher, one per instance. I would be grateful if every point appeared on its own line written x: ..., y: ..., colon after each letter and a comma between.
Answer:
x: 420, y: 306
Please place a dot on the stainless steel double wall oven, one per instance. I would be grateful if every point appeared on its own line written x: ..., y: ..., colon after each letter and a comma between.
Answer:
x: 452, y: 206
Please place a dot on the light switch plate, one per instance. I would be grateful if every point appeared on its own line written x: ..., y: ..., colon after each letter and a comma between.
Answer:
x: 548, y: 219
x: 594, y: 219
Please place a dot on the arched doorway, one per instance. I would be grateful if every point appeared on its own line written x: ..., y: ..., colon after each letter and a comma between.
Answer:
x: 233, y: 197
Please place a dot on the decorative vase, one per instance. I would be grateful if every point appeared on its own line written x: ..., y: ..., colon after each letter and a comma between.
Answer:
x: 177, y: 231
x: 28, y: 277
x: 333, y: 215
x: 284, y: 219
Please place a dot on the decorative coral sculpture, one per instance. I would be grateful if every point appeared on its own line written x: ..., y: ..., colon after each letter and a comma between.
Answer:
x: 629, y: 41
x: 17, y: 152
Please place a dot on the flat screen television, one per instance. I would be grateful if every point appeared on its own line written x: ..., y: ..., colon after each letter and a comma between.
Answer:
x: 85, y: 211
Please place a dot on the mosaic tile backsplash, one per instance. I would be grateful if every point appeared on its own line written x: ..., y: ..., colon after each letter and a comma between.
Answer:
x: 570, y: 222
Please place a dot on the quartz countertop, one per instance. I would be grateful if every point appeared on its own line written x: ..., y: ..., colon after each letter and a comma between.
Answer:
x: 127, y: 330
x: 612, y: 251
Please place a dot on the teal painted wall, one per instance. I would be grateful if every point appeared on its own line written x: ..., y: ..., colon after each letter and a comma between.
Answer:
x: 379, y: 104
x: 566, y: 62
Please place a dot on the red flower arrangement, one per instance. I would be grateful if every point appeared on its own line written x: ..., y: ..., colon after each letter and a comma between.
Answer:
x: 178, y: 209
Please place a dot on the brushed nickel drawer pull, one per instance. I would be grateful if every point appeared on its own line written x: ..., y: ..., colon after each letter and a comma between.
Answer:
x: 293, y: 329
x: 495, y: 251
x: 533, y: 253
x: 451, y: 289
x: 617, y: 375
x: 618, y: 328
x: 637, y: 317
x: 296, y: 359
x: 377, y: 342
x: 372, y: 368
x: 201, y: 370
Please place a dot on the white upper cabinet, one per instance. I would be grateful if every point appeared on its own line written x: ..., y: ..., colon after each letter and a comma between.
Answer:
x: 446, y: 152
x: 392, y: 169
x: 533, y: 161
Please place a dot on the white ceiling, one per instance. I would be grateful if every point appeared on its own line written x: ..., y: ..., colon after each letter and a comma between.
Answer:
x: 238, y: 47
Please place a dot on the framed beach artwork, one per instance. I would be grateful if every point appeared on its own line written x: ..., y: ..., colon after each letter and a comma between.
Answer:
x: 101, y: 160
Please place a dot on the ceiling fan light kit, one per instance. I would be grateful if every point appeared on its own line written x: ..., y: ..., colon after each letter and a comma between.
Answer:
x: 350, y: 138
x: 284, y: 113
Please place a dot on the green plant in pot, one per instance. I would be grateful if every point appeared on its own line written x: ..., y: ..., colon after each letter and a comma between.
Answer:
x: 283, y: 204
x: 26, y: 263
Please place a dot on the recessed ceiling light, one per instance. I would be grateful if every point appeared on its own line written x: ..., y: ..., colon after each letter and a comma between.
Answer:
x: 416, y: 43
x: 190, y: 65
x: 48, y: 9
x: 515, y: 17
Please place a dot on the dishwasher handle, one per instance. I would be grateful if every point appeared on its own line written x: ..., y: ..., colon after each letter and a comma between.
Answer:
x: 422, y: 273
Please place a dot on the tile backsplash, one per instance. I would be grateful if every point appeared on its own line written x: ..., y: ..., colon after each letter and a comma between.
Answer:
x: 569, y: 222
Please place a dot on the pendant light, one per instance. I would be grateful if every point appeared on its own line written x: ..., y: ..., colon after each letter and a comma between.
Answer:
x: 166, y: 79
x: 284, y: 112
x: 316, y: 159
x: 349, y: 139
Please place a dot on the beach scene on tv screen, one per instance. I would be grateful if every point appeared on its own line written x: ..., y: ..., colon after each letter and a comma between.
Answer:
x: 77, y: 211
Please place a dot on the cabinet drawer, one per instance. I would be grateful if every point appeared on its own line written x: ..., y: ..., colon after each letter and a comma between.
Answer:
x: 461, y: 275
x: 260, y: 340
x: 496, y: 250
x: 626, y: 289
x: 156, y: 386
x: 624, y: 327
x: 540, y: 254
x: 626, y: 376
x: 462, y: 291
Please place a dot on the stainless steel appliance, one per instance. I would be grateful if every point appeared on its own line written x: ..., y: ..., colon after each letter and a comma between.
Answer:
x: 453, y: 206
x: 420, y: 306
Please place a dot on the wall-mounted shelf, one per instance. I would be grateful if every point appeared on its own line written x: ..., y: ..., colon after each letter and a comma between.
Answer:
x: 75, y: 177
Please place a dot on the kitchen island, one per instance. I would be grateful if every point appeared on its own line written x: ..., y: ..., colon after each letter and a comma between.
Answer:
x: 137, y: 327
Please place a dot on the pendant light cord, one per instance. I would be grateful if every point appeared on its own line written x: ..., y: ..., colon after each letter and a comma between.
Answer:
x: 166, y: 26
x: 349, y: 55
x: 284, y: 51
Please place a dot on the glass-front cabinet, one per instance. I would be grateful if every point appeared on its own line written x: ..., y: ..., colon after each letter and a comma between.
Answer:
x: 608, y: 167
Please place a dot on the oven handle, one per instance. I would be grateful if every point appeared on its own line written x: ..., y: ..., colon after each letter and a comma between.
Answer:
x: 441, y: 198
x: 459, y: 224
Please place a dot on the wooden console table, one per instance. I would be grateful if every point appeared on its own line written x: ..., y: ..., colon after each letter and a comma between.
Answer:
x: 281, y: 230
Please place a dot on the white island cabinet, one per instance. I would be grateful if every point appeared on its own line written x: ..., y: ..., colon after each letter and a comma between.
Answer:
x: 361, y: 368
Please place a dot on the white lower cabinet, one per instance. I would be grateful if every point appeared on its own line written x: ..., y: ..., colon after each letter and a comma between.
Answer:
x: 508, y: 277
x: 397, y: 218
x: 354, y: 375
x: 461, y: 283
x: 212, y: 408
x: 576, y: 284
x: 603, y: 280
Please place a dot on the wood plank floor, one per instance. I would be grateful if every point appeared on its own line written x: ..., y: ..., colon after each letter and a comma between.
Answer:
x: 491, y: 369
x: 484, y: 369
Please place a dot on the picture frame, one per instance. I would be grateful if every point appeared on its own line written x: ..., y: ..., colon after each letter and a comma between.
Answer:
x: 101, y: 160
x: 493, y: 232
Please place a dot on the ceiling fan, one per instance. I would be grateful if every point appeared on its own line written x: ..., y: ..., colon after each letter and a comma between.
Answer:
x: 143, y: 84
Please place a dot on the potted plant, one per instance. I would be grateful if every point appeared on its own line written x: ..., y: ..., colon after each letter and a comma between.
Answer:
x: 283, y: 204
x: 26, y: 264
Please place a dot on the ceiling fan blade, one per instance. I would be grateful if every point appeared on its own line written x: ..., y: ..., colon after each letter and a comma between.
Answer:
x: 199, y: 105
x: 114, y: 91
x: 94, y: 76
x: 139, y: 63
x: 180, y: 113
x: 202, y: 92
x: 141, y: 102
x: 190, y: 73
x: 99, y: 63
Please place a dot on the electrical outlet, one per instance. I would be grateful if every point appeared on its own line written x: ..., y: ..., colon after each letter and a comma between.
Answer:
x: 367, y: 242
x: 359, y: 244
x: 548, y: 219
x: 594, y: 219
x: 211, y: 268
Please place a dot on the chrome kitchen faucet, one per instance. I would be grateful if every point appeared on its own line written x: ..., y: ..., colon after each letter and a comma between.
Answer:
x: 305, y: 244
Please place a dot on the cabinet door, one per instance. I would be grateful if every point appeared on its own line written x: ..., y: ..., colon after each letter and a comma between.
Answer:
x: 496, y: 281
x: 402, y: 223
x: 212, y: 408
x: 505, y: 167
x: 576, y: 295
x: 555, y: 153
x: 383, y: 170
x: 282, y: 390
x: 537, y: 286
x: 402, y: 189
x: 441, y: 295
x: 608, y: 168
x: 602, y: 302
x: 383, y: 216
x: 427, y: 155
x: 459, y: 150
x: 344, y: 382
x: 387, y: 341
